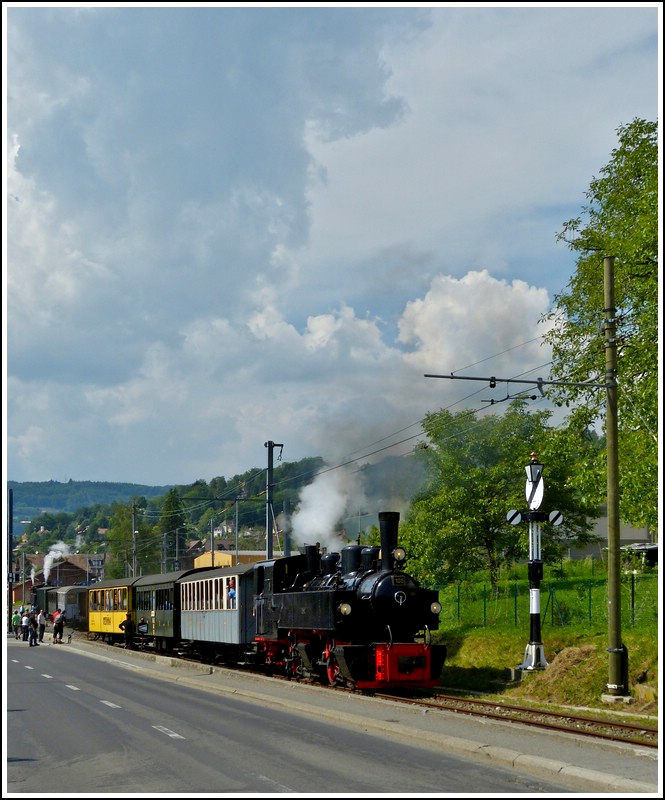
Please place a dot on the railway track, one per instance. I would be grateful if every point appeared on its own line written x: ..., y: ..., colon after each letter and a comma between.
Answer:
x: 599, y: 726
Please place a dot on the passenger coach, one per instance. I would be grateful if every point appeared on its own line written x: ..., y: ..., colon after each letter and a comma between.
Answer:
x: 216, y: 611
x: 158, y: 606
x: 108, y: 604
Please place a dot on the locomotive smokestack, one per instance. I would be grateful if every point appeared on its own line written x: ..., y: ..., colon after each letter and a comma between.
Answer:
x: 388, y: 525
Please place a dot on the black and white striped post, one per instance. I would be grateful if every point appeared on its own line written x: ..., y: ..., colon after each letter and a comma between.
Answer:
x: 534, y: 655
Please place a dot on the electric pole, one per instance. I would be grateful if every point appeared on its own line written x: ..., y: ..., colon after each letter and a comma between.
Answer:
x: 134, y: 540
x: 618, y: 653
x: 10, y: 558
x: 270, y: 516
x: 617, y: 683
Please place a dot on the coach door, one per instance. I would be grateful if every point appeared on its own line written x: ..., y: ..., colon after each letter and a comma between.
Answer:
x: 259, y: 602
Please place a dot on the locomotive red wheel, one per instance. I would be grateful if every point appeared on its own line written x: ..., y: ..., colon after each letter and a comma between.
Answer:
x: 333, y: 670
x: 295, y: 666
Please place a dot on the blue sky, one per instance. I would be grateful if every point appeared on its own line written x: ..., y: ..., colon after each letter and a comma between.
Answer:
x: 232, y: 225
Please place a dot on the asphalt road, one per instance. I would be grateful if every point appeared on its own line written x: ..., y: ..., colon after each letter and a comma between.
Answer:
x: 84, y: 718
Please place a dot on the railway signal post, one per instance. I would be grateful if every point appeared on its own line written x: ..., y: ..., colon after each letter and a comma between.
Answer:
x: 534, y: 654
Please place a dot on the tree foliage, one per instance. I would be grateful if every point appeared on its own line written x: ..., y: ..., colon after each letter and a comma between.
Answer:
x: 458, y: 524
x: 119, y: 542
x: 620, y: 220
x: 124, y: 548
x: 172, y: 526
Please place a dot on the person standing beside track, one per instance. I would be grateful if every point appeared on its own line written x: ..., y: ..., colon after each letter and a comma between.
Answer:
x: 25, y: 626
x: 127, y: 627
x: 16, y: 624
x: 34, y: 630
x: 58, y: 626
x: 41, y: 621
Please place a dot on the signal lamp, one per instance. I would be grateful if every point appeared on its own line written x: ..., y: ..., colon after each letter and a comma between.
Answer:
x: 344, y: 609
x: 399, y: 554
x: 435, y: 608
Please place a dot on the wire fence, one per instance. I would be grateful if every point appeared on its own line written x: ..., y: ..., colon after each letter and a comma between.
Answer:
x: 575, y: 602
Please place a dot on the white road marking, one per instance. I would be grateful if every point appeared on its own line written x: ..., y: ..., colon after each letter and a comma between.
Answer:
x: 110, y: 704
x: 279, y: 786
x: 168, y: 732
x: 73, y: 688
x: 44, y: 675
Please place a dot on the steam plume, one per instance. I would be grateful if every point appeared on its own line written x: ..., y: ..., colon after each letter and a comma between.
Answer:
x: 324, y: 503
x: 56, y: 553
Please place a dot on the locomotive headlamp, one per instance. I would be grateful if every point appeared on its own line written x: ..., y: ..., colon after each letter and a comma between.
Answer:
x: 435, y: 608
x: 344, y: 609
x: 399, y: 554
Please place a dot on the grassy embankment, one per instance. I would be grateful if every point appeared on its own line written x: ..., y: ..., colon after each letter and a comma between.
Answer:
x: 486, y: 639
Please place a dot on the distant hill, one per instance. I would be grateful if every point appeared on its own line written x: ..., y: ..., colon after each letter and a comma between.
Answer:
x: 30, y: 499
x: 388, y: 484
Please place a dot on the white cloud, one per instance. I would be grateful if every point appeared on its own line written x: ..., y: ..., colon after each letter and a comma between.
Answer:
x: 226, y: 228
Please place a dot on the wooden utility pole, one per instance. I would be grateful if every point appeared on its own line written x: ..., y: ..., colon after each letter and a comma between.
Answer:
x: 617, y: 684
x: 618, y: 655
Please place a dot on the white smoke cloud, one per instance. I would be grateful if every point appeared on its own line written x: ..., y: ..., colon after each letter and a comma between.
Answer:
x: 56, y: 553
x: 331, y: 498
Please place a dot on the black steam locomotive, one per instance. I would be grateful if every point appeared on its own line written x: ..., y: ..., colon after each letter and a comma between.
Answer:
x: 353, y: 618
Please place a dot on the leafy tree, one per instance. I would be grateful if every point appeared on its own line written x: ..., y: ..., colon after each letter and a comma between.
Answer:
x: 172, y: 528
x: 458, y: 524
x: 119, y: 542
x: 620, y: 220
x: 122, y: 544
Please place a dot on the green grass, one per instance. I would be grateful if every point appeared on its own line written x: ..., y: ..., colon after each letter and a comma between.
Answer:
x: 487, y: 629
x: 480, y: 659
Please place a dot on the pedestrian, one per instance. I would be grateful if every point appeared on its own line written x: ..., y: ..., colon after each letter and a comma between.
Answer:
x: 58, y: 626
x: 34, y: 630
x: 127, y: 627
x: 41, y: 621
x: 25, y: 626
x: 16, y: 624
